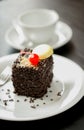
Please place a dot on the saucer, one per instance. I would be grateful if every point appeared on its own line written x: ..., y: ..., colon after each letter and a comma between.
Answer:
x: 59, y: 97
x: 63, y: 34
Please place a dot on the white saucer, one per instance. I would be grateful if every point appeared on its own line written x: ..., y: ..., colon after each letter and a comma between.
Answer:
x: 64, y: 70
x: 62, y: 36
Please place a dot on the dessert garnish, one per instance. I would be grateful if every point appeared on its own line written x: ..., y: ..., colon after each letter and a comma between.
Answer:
x: 40, y: 52
x: 33, y: 58
x: 44, y: 51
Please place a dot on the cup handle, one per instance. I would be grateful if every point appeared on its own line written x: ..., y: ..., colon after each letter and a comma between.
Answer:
x: 23, y: 39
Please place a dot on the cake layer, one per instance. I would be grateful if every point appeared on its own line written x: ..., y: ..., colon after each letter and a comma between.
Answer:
x: 33, y: 89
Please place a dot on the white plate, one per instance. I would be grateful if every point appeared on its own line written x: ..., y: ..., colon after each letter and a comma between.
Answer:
x: 63, y: 34
x: 64, y: 70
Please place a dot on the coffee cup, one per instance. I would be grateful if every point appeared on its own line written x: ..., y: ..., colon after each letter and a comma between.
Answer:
x: 37, y: 25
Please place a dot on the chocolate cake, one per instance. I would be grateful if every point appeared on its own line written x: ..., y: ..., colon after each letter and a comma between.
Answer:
x: 32, y: 78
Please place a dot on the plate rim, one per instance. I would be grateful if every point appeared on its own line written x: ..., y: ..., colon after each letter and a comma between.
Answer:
x: 55, y: 47
x: 77, y: 98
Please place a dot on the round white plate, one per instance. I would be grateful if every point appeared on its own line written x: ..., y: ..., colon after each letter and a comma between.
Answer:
x: 63, y: 34
x: 20, y: 108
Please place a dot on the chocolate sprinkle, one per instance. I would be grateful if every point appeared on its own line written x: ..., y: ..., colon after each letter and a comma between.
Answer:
x: 50, y: 91
x: 9, y: 96
x: 32, y: 100
x: 59, y: 94
x: 8, y: 90
x: 7, y: 93
x: 51, y: 99
x: 5, y: 102
x: 46, y: 95
x: 17, y: 100
x: 57, y: 81
x: 25, y: 100
x: 33, y: 106
x: 11, y: 100
x: 41, y: 98
x: 37, y: 105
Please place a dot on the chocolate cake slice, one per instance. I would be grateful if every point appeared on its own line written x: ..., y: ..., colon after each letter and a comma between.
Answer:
x: 32, y: 75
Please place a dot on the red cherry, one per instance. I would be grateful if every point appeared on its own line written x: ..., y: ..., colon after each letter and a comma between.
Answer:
x: 34, y: 59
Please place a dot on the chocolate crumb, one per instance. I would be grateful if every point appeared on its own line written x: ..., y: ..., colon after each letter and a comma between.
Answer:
x: 46, y: 95
x: 41, y: 98
x: 44, y: 103
x: 25, y: 100
x: 5, y: 100
x: 11, y: 100
x: 33, y: 106
x: 8, y: 90
x: 9, y: 96
x: 51, y: 99
x: 57, y: 81
x: 0, y: 99
x: 59, y: 94
x: 7, y: 93
x: 5, y: 103
x: 32, y: 100
x: 17, y: 100
x: 50, y: 91
x: 37, y: 105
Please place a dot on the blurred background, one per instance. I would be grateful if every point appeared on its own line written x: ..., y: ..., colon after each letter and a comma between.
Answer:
x: 70, y: 11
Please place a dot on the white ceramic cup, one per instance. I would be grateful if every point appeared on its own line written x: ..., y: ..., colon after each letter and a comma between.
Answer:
x: 37, y: 25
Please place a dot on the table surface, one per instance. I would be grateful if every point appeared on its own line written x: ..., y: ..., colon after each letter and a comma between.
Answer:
x: 71, y: 12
